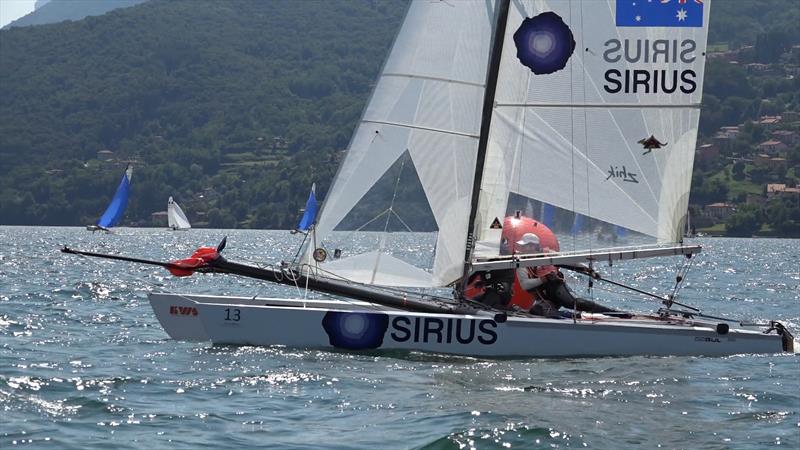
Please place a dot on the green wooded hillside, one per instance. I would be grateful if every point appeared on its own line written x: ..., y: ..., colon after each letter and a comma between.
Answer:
x: 234, y: 107
x: 231, y: 107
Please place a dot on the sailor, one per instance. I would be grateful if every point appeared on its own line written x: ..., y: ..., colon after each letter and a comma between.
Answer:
x: 539, y: 290
x: 547, y: 287
x: 532, y: 282
x: 501, y: 289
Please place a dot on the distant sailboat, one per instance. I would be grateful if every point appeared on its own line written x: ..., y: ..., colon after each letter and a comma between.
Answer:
x: 309, y: 212
x: 175, y: 217
x: 116, y: 209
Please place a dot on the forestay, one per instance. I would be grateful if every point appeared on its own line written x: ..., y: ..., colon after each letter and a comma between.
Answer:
x: 411, y: 162
x: 595, y: 121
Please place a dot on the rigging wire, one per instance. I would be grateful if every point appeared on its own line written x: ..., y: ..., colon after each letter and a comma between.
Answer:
x: 586, y: 147
x: 683, y: 272
x: 394, y: 195
x: 572, y: 137
x: 296, y: 258
x: 388, y: 212
x: 572, y: 153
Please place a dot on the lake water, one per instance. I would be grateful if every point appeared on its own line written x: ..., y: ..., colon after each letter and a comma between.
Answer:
x: 84, y: 363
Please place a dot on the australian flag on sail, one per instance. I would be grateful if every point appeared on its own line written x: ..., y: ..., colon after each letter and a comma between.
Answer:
x: 659, y: 13
x: 310, y: 212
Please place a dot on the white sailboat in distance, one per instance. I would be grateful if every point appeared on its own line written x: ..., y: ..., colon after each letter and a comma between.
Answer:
x: 176, y: 219
x: 585, y: 109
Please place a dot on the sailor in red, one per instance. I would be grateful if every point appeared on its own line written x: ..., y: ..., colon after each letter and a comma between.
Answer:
x: 540, y: 290
x: 529, y: 292
x: 509, y: 288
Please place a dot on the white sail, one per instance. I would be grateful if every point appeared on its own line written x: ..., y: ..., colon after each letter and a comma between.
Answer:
x: 176, y: 219
x: 410, y: 165
x: 582, y: 138
x: 594, y: 121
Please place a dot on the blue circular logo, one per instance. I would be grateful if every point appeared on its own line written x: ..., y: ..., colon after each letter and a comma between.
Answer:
x: 355, y: 331
x: 544, y: 43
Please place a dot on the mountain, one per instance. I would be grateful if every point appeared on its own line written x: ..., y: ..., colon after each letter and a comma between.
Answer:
x: 54, y: 11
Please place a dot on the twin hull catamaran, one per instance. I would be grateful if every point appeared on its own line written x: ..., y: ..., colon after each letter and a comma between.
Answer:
x: 365, y: 326
x: 579, y: 117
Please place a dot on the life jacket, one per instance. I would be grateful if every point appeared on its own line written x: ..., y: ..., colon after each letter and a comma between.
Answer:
x: 493, y: 289
x: 521, y: 298
x: 501, y: 288
x: 525, y: 299
x: 501, y: 291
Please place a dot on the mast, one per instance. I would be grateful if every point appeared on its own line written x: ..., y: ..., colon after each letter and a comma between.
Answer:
x: 486, y: 121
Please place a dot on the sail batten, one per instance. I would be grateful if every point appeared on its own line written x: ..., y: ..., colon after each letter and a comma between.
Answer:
x: 599, y: 105
x: 417, y: 127
x: 422, y: 77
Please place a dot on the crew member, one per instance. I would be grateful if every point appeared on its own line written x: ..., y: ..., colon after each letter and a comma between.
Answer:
x: 546, y: 284
x: 540, y: 290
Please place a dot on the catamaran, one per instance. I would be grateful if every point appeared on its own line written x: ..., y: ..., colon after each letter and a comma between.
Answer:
x: 551, y: 113
x: 176, y: 219
x: 115, y: 209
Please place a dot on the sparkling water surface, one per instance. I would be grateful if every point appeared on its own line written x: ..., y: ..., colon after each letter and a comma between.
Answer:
x: 84, y: 363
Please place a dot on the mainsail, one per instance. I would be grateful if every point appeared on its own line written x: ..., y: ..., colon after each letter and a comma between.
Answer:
x: 176, y: 219
x: 592, y: 125
x: 116, y: 209
x: 596, y: 116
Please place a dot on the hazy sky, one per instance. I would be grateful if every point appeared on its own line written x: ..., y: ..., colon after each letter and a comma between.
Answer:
x: 11, y: 10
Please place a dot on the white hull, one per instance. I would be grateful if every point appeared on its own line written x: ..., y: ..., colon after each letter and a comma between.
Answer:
x: 361, y: 326
x: 178, y: 313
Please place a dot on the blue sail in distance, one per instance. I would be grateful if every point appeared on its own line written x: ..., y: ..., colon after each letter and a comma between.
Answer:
x: 310, y: 215
x: 118, y: 204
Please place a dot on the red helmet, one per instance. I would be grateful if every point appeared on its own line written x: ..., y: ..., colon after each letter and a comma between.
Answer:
x: 515, y: 227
